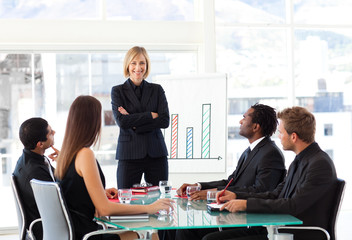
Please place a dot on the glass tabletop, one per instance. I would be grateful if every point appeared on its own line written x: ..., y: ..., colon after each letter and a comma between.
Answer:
x: 195, y: 214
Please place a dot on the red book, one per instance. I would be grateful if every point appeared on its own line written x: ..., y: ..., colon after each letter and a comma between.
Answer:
x: 145, y: 189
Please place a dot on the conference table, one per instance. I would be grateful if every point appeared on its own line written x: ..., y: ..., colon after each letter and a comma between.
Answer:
x: 195, y: 214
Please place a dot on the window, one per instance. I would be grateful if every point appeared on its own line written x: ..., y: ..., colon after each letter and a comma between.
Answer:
x: 181, y: 10
x: 250, y: 11
x: 315, y: 12
x: 56, y: 80
x: 330, y: 152
x: 3, y: 161
x: 256, y: 62
x: 64, y: 9
x: 281, y: 60
x: 328, y: 129
x: 323, y: 69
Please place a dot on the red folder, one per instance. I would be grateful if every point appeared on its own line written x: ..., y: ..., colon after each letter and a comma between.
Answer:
x: 144, y: 189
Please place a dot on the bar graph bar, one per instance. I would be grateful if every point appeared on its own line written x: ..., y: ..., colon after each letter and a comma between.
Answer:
x: 174, y: 135
x: 192, y: 140
x: 189, y: 142
x: 206, y: 114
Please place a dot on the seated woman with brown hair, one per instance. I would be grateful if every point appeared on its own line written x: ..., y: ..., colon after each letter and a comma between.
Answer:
x: 82, y: 180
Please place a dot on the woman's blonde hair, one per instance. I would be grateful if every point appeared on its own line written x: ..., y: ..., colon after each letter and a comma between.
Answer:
x: 82, y: 130
x: 130, y: 55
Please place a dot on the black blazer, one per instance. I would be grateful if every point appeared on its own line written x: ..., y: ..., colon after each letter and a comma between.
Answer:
x: 31, y: 165
x: 140, y: 134
x: 263, y: 170
x: 308, y: 197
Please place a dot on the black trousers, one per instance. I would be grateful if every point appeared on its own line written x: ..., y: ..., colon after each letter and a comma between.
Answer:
x: 130, y: 171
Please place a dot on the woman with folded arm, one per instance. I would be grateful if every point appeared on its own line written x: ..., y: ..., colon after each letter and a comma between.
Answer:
x: 82, y: 180
x: 141, y: 110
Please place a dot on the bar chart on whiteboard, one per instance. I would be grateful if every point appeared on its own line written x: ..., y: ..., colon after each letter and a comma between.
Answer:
x: 196, y: 137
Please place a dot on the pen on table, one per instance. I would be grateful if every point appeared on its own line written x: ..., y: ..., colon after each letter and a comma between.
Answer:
x: 223, y: 191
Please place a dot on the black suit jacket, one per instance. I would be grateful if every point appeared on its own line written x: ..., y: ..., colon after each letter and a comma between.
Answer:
x: 140, y: 134
x: 308, y: 197
x: 31, y: 165
x: 263, y: 170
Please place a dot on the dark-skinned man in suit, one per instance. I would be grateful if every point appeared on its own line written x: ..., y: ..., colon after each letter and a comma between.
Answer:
x: 260, y: 168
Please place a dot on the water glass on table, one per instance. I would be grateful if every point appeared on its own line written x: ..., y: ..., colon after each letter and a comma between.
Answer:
x: 211, y: 196
x: 191, y: 189
x: 165, y: 212
x: 165, y: 187
x: 125, y: 195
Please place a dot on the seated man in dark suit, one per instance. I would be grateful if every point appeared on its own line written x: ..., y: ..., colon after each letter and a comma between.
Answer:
x: 260, y: 168
x: 307, y: 191
x: 36, y: 135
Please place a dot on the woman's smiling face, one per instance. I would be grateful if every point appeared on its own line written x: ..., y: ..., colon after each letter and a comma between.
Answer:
x: 137, y: 69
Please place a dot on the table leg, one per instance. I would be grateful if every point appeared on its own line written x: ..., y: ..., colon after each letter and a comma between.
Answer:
x: 147, y: 233
x: 271, y: 231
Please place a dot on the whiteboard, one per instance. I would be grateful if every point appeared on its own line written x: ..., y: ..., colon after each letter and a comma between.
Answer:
x: 197, y: 136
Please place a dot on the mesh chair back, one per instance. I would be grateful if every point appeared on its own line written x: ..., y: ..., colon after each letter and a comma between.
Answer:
x: 339, y: 193
x: 19, y: 209
x: 53, y: 211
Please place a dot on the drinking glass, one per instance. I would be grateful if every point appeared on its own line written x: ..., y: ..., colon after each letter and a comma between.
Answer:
x: 125, y: 195
x: 168, y: 211
x: 165, y: 187
x: 191, y: 189
x: 211, y: 196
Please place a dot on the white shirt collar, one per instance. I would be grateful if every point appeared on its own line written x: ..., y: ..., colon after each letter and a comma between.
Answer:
x: 255, y: 143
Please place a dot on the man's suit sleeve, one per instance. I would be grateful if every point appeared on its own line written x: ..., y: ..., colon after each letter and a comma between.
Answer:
x: 262, y: 195
x: 127, y: 121
x: 214, y: 184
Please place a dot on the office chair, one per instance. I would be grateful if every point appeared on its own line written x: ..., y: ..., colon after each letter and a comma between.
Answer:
x: 334, y: 213
x: 55, y: 217
x: 24, y: 234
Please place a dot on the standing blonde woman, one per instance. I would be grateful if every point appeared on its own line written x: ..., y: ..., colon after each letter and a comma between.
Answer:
x: 82, y: 179
x: 140, y: 109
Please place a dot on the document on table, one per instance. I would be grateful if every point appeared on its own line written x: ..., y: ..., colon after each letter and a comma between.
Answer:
x: 214, y: 207
x: 129, y: 218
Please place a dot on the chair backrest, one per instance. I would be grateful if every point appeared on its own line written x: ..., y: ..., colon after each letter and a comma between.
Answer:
x: 21, y: 215
x: 339, y: 193
x: 53, y: 211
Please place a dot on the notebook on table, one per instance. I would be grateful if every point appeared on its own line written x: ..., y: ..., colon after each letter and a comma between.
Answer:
x: 129, y: 218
